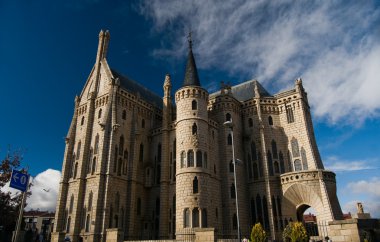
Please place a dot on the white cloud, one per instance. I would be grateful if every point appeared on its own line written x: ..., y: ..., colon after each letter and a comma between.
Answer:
x: 44, y: 191
x: 333, y: 45
x: 336, y: 164
x: 370, y: 187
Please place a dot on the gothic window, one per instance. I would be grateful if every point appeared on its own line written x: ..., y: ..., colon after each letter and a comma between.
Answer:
x: 87, y: 228
x: 195, y: 218
x: 279, y: 206
x: 266, y: 217
x: 274, y: 206
x: 71, y: 207
x: 229, y: 139
x: 159, y: 153
x: 141, y: 154
x: 68, y: 225
x: 205, y: 159
x: 255, y: 171
x: 121, y: 145
x: 234, y: 222
x: 259, y: 209
x: 204, y: 218
x: 276, y: 167
x: 260, y: 159
x: 233, y: 192
x: 89, y: 205
x: 253, y: 211
x: 183, y: 159
x: 96, y: 146
x: 249, y: 167
x: 78, y: 149
x: 93, y: 168
x: 289, y: 114
x: 75, y: 170
x: 274, y: 149
x: 199, y: 158
x: 120, y: 166
x: 253, y: 151
x: 186, y: 218
x: 270, y: 163
x: 89, y: 162
x: 116, y: 218
x: 124, y: 115
x: 195, y: 185
x: 297, y: 165
x: 110, y: 218
x: 143, y: 123
x: 194, y: 129
x: 82, y: 121
x: 231, y: 165
x: 290, y: 168
x: 194, y: 105
x: 122, y: 218
x: 190, y: 158
x: 138, y: 206
x: 228, y: 117
x: 270, y: 120
x: 158, y: 206
x: 117, y: 201
x: 295, y: 149
x: 214, y: 169
x: 216, y: 212
x: 250, y: 122
x: 304, y: 159
x: 99, y: 113
x: 282, y: 163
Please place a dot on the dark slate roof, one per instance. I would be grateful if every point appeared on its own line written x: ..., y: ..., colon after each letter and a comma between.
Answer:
x: 245, y: 91
x: 191, y: 72
x: 134, y: 87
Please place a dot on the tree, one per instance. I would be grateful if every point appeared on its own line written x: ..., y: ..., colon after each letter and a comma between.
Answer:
x: 9, y: 203
x: 295, y: 232
x: 258, y: 234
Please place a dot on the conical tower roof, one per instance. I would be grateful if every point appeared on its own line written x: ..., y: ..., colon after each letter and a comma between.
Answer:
x: 191, y: 72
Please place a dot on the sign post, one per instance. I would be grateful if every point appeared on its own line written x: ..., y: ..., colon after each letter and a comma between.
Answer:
x: 19, y: 181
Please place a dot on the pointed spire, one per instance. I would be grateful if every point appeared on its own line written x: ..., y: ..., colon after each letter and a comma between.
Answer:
x: 104, y: 38
x: 191, y: 72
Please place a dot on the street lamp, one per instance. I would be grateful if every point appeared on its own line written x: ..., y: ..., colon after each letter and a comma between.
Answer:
x: 230, y: 125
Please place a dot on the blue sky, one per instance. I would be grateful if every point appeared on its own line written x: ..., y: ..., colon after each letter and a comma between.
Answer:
x: 49, y: 47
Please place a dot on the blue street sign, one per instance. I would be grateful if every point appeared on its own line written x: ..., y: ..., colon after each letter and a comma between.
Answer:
x: 19, y: 180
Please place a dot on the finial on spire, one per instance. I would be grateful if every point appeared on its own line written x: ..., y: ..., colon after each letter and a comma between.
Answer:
x: 189, y: 39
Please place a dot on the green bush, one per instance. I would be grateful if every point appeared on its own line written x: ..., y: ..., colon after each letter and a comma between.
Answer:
x: 258, y: 234
x: 295, y: 232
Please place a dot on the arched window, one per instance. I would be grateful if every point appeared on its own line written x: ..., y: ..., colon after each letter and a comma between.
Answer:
x: 121, y: 145
x: 297, y: 165
x: 270, y: 120
x: 190, y: 158
x: 289, y: 114
x: 117, y: 201
x: 143, y: 123
x: 100, y: 113
x: 96, y: 146
x: 205, y: 159
x: 199, y: 158
x: 195, y: 218
x: 259, y: 209
x: 78, y: 149
x: 228, y: 117
x: 274, y: 206
x: 186, y: 218
x: 295, y: 149
x: 282, y: 163
x: 253, y: 211
x: 82, y: 121
x: 234, y: 221
x: 229, y: 139
x: 279, y: 206
x: 194, y: 129
x: 119, y: 168
x: 194, y: 105
x: 260, y: 159
x: 266, y: 217
x: 250, y: 122
x: 290, y: 167
x: 157, y: 206
x: 141, y: 154
x: 255, y: 171
x: 138, y: 206
x: 93, y: 169
x: 75, y: 170
x: 204, y: 218
x: 87, y: 227
x: 253, y: 151
x: 89, y: 204
x: 231, y: 166
x: 89, y: 161
x: 71, y: 207
x: 116, y: 219
x: 68, y: 225
x: 195, y: 185
x: 274, y: 149
x: 124, y: 115
x: 233, y: 192
x: 183, y: 159
x: 304, y: 159
x: 270, y: 163
x: 276, y: 167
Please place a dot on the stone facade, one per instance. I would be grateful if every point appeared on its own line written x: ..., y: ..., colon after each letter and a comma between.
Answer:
x: 139, y: 167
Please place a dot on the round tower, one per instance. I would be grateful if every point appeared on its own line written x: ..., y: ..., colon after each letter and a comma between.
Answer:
x: 195, y: 189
